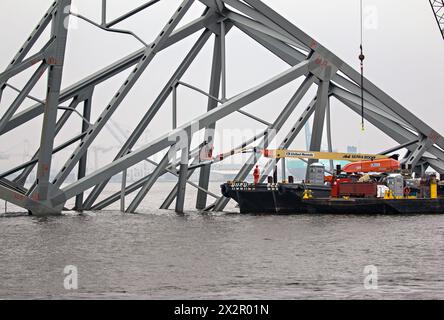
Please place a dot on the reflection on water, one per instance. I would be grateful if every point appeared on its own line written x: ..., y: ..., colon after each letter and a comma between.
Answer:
x: 157, y: 254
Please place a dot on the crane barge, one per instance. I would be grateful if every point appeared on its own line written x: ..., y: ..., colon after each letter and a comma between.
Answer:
x: 368, y: 184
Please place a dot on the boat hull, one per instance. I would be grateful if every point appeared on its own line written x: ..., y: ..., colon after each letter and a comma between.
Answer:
x: 288, y: 199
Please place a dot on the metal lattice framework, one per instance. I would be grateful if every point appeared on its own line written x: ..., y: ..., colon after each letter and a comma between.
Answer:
x: 305, y: 56
x: 438, y: 10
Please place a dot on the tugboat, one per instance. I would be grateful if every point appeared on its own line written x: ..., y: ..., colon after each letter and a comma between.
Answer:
x: 369, y: 184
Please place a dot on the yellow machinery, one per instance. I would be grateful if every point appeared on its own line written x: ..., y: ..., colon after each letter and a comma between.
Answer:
x: 433, y: 188
x: 315, y: 155
x: 352, y: 157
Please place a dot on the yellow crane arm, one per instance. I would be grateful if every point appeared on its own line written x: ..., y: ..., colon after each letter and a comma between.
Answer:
x: 352, y: 157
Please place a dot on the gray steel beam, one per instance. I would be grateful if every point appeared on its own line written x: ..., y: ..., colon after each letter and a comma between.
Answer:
x: 148, y: 184
x: 266, y: 22
x: 181, y: 184
x: 174, y: 111
x: 18, y: 199
x: 272, y: 131
x: 204, y: 174
x: 83, y: 161
x: 223, y: 60
x: 286, y: 143
x: 122, y: 190
x: 22, y: 95
x: 146, y: 59
x: 34, y: 160
x: 104, y: 11
x: 254, y: 25
x: 16, y: 62
x: 287, y: 56
x: 399, y: 147
x: 100, y: 26
x: 293, y: 56
x: 416, y: 155
x: 173, y: 193
x: 201, y: 122
x: 328, y: 127
x: 278, y: 48
x: 59, y: 34
x: 319, y: 119
x: 19, y: 91
x: 22, y: 66
x: 437, y: 165
x: 221, y: 101
x: 152, y: 111
x: 131, y: 13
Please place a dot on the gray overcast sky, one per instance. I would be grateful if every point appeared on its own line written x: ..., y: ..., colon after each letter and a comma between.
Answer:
x: 404, y: 58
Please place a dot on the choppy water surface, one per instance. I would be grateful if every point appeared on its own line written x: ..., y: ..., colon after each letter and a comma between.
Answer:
x: 157, y: 254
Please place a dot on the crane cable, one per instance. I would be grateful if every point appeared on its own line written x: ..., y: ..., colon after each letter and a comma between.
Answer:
x: 361, y: 58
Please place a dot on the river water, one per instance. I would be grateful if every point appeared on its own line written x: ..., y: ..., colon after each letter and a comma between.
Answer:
x: 157, y: 254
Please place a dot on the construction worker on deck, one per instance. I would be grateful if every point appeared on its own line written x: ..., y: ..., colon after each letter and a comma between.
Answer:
x: 256, y: 174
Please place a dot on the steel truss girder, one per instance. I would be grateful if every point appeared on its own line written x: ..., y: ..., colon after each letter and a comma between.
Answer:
x: 292, y: 56
x: 319, y: 117
x: 201, y: 122
x: 110, y: 71
x: 147, y: 57
x: 305, y: 56
x: 152, y: 111
x: 59, y: 34
x: 354, y: 75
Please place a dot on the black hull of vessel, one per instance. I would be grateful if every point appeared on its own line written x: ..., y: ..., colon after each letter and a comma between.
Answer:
x: 288, y: 199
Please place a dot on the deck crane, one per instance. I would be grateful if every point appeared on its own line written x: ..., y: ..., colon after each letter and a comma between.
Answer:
x: 364, y: 163
x: 358, y: 162
x: 438, y: 10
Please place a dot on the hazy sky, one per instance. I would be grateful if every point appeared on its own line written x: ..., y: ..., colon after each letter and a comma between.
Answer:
x: 404, y: 58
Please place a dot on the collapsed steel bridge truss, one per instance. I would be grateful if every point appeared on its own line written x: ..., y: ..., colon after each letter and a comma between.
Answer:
x: 305, y: 58
x: 438, y: 10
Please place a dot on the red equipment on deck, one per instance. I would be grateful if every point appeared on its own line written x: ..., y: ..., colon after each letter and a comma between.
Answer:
x: 384, y: 165
x: 358, y: 189
x: 336, y: 185
x: 346, y: 188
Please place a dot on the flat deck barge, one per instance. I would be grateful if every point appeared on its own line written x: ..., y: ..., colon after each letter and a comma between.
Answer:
x: 289, y: 199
